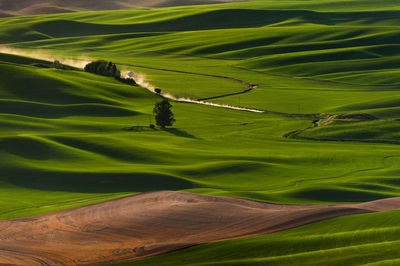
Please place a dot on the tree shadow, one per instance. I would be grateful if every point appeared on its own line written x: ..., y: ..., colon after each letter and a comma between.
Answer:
x: 174, y: 131
x: 180, y: 133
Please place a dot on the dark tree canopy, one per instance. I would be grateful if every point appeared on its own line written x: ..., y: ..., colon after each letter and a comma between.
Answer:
x: 108, y: 69
x: 103, y: 68
x: 163, y: 114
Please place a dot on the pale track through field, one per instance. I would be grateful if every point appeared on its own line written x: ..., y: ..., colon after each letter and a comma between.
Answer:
x: 144, y: 84
x: 249, y: 86
x: 154, y: 223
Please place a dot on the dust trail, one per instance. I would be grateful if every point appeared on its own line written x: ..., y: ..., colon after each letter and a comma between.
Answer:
x: 38, y: 54
x: 140, y: 79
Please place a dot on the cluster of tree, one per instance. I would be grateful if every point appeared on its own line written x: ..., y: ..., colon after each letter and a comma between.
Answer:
x: 104, y: 68
x: 128, y: 81
x: 108, y: 69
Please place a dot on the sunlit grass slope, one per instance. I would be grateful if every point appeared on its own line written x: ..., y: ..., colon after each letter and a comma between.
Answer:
x: 69, y: 131
x: 371, y: 239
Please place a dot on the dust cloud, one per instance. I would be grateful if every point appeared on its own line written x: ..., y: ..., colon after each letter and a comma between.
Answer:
x: 40, y: 54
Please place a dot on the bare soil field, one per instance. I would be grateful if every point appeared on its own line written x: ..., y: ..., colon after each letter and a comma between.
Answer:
x: 153, y: 223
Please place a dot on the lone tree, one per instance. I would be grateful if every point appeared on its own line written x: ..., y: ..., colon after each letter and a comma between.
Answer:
x: 163, y: 114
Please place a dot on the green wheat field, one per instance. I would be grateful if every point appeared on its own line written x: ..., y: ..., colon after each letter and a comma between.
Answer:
x: 70, y: 138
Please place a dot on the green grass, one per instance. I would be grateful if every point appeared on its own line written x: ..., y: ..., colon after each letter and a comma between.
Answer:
x: 68, y: 138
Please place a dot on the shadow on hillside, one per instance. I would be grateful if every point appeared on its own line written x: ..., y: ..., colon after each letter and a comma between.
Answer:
x: 93, y: 182
x: 209, y: 20
x: 39, y: 110
x: 338, y: 195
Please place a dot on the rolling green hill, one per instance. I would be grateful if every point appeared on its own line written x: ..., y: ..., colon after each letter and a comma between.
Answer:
x: 367, y: 239
x: 68, y: 138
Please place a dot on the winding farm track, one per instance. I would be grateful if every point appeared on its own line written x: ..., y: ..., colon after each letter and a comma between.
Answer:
x: 153, y: 223
x: 249, y: 86
x: 204, y: 101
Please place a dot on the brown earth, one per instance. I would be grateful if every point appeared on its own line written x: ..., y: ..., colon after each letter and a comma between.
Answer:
x: 153, y: 223
x: 35, y: 7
